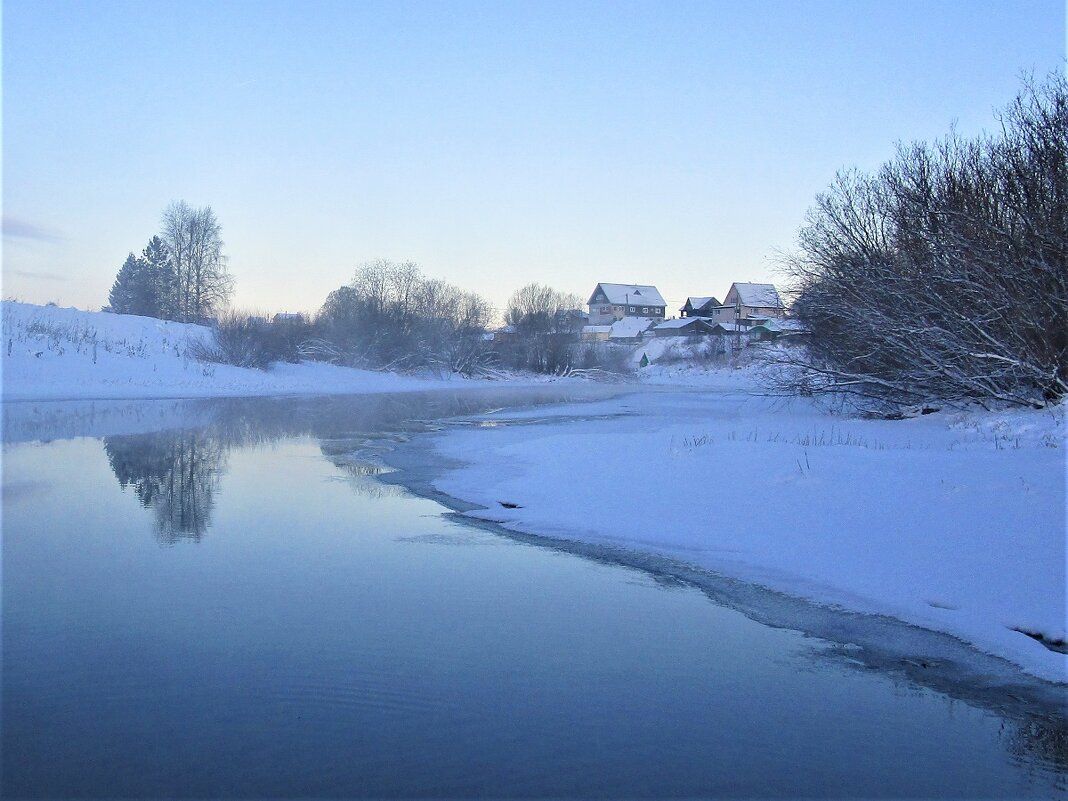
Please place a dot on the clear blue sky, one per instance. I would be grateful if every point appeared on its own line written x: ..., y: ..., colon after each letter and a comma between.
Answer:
x: 495, y: 143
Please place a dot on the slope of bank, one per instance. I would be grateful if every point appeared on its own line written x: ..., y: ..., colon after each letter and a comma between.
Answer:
x: 952, y: 522
x: 52, y: 353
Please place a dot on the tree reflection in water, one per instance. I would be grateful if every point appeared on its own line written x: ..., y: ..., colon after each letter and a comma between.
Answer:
x: 175, y: 474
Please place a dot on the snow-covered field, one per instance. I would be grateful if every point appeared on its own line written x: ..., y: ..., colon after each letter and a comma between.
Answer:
x: 953, y: 522
x: 52, y: 353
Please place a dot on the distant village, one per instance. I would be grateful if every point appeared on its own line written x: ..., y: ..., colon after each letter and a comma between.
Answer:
x: 623, y: 327
x: 631, y: 313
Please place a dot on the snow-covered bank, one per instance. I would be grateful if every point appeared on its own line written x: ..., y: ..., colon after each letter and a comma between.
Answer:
x: 52, y: 353
x: 951, y: 522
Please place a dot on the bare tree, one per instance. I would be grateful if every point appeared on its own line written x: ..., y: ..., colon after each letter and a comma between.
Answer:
x: 538, y: 306
x: 201, y: 286
x: 391, y: 315
x: 544, y: 322
x: 945, y: 276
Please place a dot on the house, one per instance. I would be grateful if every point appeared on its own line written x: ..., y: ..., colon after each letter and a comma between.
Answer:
x: 749, y: 304
x: 684, y: 327
x: 570, y: 321
x: 699, y: 306
x: 611, y: 302
x: 774, y: 329
x: 595, y: 333
x: 506, y: 333
x: 630, y: 329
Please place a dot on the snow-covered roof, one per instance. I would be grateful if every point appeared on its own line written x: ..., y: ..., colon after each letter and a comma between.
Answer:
x: 682, y: 322
x: 596, y: 329
x: 700, y: 302
x: 629, y: 327
x: 781, y: 326
x: 730, y: 326
x: 629, y: 294
x: 760, y: 295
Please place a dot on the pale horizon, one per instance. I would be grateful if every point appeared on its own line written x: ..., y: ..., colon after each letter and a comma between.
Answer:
x: 494, y: 145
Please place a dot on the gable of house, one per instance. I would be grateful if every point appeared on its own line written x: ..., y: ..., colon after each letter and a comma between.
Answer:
x: 697, y: 306
x: 757, y: 296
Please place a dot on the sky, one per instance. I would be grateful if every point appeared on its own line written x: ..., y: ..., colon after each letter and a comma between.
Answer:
x: 493, y: 143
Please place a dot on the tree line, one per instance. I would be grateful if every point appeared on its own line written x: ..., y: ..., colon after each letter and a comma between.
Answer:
x: 181, y: 274
x: 392, y: 316
x: 944, y: 276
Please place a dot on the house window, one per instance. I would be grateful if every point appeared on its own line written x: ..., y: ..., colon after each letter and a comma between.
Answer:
x: 645, y: 311
x: 606, y: 310
x: 632, y: 308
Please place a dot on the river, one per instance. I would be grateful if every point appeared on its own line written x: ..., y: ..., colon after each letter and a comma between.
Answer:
x: 235, y: 598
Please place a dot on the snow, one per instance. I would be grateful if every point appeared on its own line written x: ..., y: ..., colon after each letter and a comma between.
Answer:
x: 954, y: 523
x: 60, y: 353
x: 630, y: 327
x: 781, y: 326
x: 681, y: 322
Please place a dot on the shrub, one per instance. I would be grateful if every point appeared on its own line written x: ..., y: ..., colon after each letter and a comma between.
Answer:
x: 945, y: 275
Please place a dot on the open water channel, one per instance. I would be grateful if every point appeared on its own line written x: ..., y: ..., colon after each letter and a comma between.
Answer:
x: 224, y: 599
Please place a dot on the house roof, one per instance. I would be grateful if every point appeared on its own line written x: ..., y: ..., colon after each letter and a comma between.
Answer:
x: 596, y: 329
x: 730, y: 327
x: 695, y: 302
x: 782, y: 326
x: 629, y: 294
x: 682, y: 322
x: 629, y: 327
x: 761, y: 295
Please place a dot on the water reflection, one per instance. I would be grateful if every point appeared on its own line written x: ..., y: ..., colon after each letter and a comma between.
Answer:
x: 176, y: 474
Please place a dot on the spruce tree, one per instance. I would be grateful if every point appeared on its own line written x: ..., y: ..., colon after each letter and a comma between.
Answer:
x: 160, y: 274
x: 122, y: 297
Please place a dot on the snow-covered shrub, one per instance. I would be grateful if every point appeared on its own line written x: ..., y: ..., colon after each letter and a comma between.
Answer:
x: 247, y: 341
x: 945, y: 275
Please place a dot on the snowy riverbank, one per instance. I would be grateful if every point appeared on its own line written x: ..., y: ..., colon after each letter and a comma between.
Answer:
x: 952, y: 522
x: 52, y: 353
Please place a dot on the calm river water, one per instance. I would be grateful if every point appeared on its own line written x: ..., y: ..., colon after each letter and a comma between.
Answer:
x: 221, y: 599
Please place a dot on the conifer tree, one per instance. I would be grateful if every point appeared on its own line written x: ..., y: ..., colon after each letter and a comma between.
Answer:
x: 132, y: 292
x: 160, y: 273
